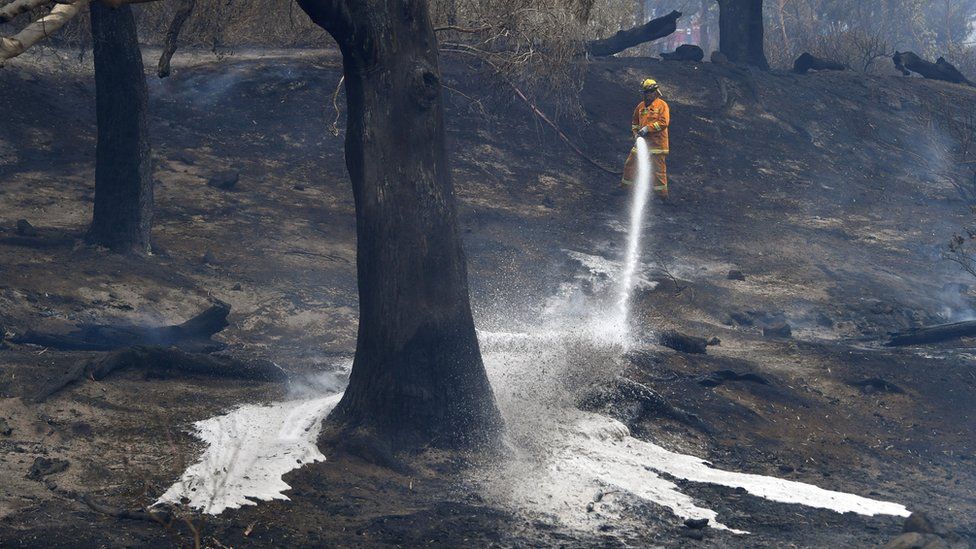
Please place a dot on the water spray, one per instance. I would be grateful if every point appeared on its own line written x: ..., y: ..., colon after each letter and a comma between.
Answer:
x: 632, y: 258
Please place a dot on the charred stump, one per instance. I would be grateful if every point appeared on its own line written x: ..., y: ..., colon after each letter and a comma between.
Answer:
x: 808, y: 62
x: 622, y: 40
x: 418, y: 378
x: 741, y: 32
x: 122, y: 217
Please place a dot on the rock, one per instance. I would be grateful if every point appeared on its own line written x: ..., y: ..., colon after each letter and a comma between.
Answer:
x: 298, y: 187
x: 719, y: 58
x: 237, y: 287
x: 740, y: 318
x: 914, y: 540
x: 185, y: 158
x: 598, y: 497
x: 208, y: 258
x: 778, y: 329
x: 921, y: 523
x: 693, y: 534
x: 24, y: 228
x: 878, y: 385
x: 824, y: 320
x: 224, y: 180
x: 685, y: 52
x: 43, y: 467
x: 735, y: 275
x: 683, y: 343
x: 5, y: 429
x: 719, y: 377
x: 589, y: 507
x: 696, y: 524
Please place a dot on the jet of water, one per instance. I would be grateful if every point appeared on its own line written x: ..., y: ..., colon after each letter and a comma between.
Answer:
x: 632, y: 259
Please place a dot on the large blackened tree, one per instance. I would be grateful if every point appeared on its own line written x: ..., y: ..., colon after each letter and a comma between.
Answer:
x: 418, y: 377
x: 741, y: 31
x: 123, y: 210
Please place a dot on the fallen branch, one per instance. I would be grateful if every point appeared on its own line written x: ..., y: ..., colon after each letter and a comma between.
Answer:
x: 159, y: 517
x: 170, y: 43
x: 165, y: 361
x: 807, y: 62
x: 933, y: 334
x: 194, y: 334
x: 622, y: 40
x: 908, y: 62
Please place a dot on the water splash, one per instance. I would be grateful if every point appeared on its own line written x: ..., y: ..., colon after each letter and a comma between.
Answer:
x: 632, y: 257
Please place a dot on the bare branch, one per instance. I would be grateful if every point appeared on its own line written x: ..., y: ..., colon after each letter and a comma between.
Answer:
x: 172, y: 36
x: 38, y: 30
x: 19, y: 7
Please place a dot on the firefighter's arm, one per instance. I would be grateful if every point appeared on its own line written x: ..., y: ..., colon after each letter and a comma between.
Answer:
x: 635, y: 122
x: 662, y: 121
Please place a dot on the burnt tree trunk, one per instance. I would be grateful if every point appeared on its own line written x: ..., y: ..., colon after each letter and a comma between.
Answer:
x: 741, y: 31
x: 123, y: 173
x: 418, y: 377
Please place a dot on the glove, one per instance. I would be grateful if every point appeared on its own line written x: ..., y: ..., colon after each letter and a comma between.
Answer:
x: 643, y: 131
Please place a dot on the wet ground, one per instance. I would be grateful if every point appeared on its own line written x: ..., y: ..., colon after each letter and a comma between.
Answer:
x: 842, y: 246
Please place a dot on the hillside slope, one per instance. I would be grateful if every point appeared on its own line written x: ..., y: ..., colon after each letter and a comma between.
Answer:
x: 827, y: 191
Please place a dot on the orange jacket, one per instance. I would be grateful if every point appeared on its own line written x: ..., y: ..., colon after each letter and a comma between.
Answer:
x: 657, y: 117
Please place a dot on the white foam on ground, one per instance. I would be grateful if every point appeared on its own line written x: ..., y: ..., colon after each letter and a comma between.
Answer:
x: 248, y: 451
x: 562, y: 456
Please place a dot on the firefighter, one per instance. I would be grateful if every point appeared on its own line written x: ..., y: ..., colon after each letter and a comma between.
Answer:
x: 651, y: 120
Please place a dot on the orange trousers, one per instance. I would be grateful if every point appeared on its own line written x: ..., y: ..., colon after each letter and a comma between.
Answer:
x: 660, y: 180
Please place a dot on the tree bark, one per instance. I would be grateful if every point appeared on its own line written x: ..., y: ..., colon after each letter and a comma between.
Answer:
x: 622, y: 40
x: 418, y: 377
x: 741, y: 31
x: 171, y: 42
x: 123, y: 171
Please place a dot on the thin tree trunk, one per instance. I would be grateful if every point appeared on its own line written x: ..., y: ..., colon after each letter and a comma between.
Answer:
x: 741, y: 31
x: 417, y: 378
x: 703, y: 22
x: 123, y: 173
x: 171, y: 42
x: 781, y: 5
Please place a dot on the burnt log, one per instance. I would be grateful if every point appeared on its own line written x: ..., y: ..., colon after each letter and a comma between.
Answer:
x: 808, y: 62
x: 194, y: 334
x: 933, y: 334
x: 165, y: 362
x: 685, y: 52
x: 633, y: 402
x: 635, y: 36
x: 908, y: 62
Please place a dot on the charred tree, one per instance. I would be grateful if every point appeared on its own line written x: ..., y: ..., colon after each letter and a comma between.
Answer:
x: 652, y: 30
x: 741, y: 31
x: 171, y: 42
x: 418, y: 378
x: 123, y: 172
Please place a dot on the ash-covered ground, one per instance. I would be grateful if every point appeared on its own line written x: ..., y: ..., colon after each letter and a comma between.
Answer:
x: 828, y: 192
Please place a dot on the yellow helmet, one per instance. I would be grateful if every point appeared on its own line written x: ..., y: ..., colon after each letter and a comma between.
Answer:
x: 649, y: 85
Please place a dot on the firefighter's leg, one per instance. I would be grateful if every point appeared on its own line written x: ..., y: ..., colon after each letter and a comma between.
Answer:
x: 630, y: 169
x: 660, y: 176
